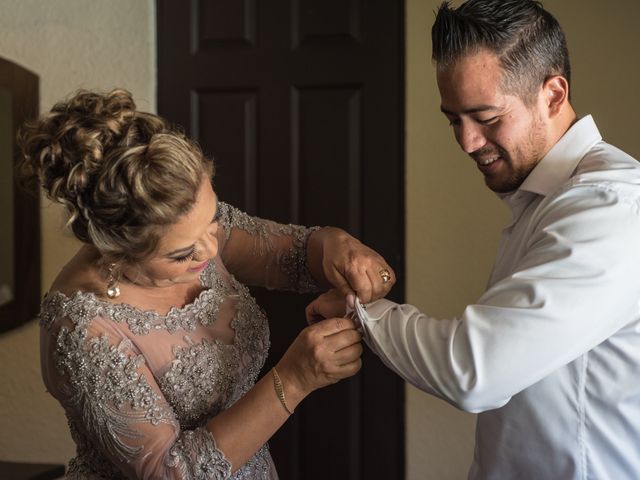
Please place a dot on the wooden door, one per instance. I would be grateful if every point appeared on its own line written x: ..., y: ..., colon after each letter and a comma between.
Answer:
x: 300, y: 103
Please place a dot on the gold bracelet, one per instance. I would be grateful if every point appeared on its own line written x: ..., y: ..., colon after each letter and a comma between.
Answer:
x: 277, y: 384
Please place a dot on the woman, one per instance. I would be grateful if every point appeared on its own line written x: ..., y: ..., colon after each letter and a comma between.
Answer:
x: 149, y: 339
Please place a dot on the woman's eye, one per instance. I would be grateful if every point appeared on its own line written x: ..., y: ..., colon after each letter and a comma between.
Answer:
x: 183, y: 258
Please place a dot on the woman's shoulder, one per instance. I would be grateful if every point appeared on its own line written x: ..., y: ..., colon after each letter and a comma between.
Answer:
x: 77, y: 285
x: 80, y: 274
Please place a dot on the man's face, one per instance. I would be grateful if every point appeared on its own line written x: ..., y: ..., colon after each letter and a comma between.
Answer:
x: 505, y: 137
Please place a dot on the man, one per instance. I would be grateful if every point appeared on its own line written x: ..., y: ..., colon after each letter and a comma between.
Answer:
x: 549, y: 355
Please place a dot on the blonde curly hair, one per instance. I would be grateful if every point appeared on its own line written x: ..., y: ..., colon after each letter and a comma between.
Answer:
x: 123, y: 175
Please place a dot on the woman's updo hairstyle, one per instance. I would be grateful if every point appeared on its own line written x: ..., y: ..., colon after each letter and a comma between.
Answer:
x: 123, y: 175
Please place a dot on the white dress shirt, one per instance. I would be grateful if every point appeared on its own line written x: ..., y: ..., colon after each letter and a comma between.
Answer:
x: 550, y: 353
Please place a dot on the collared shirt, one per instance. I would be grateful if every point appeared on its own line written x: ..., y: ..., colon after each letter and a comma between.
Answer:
x: 549, y: 355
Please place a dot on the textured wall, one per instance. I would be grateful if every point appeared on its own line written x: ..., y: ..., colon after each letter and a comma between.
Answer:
x: 69, y: 44
x: 453, y: 221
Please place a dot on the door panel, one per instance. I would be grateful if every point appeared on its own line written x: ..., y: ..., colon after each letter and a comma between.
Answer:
x: 233, y: 134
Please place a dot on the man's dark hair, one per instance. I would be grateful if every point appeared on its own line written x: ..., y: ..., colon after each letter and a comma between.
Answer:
x: 527, y: 39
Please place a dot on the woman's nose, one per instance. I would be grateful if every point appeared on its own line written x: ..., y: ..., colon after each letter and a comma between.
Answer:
x: 207, y: 248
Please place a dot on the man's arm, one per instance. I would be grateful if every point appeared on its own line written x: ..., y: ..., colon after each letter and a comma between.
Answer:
x: 575, y: 286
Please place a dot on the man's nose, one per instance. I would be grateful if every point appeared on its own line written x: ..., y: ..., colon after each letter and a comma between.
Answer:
x: 470, y: 137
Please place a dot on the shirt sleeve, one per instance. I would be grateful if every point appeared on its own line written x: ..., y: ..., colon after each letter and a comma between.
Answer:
x: 573, y: 287
x: 263, y: 252
x: 117, y: 412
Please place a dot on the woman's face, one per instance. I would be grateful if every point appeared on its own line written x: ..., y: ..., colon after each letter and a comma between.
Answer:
x: 186, y: 247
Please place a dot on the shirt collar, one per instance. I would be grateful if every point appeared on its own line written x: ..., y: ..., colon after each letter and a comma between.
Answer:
x: 558, y: 164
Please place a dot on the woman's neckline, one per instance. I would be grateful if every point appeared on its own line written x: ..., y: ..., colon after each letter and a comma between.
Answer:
x: 76, y: 293
x: 173, y: 310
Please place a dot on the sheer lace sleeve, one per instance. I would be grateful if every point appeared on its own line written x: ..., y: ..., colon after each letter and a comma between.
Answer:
x: 122, y: 424
x: 262, y: 252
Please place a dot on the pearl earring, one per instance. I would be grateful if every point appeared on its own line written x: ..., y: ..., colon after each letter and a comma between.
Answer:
x: 113, y: 290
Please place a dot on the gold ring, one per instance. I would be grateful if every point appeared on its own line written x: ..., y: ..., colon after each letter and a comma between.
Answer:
x: 385, y: 275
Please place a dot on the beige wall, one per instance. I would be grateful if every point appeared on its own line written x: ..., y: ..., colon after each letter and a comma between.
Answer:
x: 69, y: 44
x: 453, y: 221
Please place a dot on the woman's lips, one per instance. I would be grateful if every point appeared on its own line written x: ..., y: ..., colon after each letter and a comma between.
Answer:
x: 200, y: 267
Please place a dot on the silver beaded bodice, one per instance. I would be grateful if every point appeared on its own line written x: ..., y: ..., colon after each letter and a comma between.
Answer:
x: 138, y: 387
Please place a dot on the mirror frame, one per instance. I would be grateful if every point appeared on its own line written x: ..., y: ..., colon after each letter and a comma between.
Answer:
x: 24, y: 88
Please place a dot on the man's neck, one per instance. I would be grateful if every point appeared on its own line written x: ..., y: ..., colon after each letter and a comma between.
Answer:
x: 561, y: 124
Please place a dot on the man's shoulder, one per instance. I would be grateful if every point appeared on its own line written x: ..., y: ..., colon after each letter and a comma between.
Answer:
x: 606, y: 166
x: 604, y: 160
x: 605, y: 177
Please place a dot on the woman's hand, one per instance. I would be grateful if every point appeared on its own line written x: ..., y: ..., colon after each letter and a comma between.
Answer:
x: 322, y: 354
x: 348, y: 265
x: 329, y: 304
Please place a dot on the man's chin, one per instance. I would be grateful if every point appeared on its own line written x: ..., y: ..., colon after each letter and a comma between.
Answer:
x: 498, y: 185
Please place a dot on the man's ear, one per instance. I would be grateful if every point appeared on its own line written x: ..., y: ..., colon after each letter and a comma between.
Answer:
x: 556, y: 94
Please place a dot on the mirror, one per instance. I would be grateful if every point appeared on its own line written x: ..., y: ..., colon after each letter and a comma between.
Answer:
x: 19, y: 210
x: 7, y: 286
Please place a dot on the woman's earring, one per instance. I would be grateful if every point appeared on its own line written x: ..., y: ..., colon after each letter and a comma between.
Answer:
x: 113, y: 290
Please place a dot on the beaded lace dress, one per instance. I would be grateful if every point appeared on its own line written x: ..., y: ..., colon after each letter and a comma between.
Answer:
x: 138, y: 387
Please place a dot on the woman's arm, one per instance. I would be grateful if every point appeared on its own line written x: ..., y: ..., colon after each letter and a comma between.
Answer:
x: 322, y: 354
x: 291, y: 257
